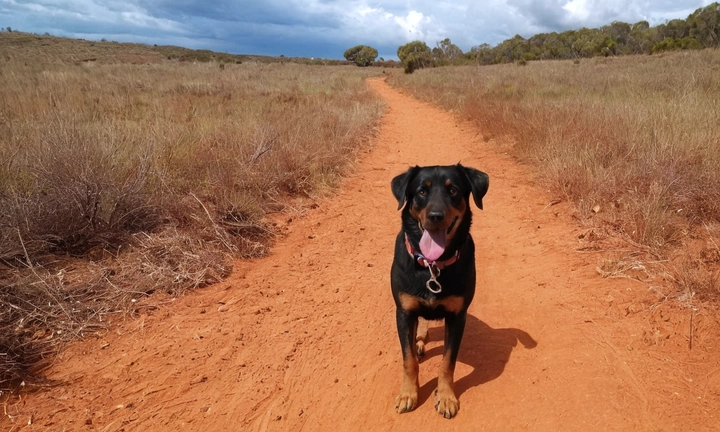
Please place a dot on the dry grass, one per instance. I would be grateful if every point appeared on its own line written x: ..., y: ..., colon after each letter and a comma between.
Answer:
x: 632, y: 141
x: 18, y: 46
x: 118, y: 180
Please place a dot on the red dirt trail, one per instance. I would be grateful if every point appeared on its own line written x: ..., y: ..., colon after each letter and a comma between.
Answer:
x: 305, y: 339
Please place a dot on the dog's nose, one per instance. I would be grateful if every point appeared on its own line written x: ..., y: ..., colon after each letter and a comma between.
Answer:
x: 436, y: 216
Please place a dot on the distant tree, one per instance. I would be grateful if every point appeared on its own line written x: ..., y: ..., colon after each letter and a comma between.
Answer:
x: 618, y: 31
x: 673, y: 44
x: 676, y: 28
x: 640, y: 39
x: 361, y: 55
x: 482, y: 54
x: 366, y: 56
x: 704, y: 25
x: 414, y: 55
x: 511, y: 50
x: 446, y: 53
x: 701, y: 29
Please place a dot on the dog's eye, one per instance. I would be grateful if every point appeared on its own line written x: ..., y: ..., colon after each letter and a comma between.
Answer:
x: 452, y: 190
x: 422, y: 192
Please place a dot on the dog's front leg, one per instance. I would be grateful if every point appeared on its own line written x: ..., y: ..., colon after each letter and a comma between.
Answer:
x: 407, y: 327
x: 446, y: 402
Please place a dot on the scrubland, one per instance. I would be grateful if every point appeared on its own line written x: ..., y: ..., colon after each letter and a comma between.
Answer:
x: 633, y: 142
x: 118, y: 180
x: 126, y: 172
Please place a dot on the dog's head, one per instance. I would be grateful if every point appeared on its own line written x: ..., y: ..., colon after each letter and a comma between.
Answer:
x: 437, y: 199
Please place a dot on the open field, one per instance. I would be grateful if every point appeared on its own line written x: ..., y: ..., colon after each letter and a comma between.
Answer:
x: 304, y: 339
x: 43, y: 49
x: 121, y: 179
x: 633, y: 142
x: 125, y: 178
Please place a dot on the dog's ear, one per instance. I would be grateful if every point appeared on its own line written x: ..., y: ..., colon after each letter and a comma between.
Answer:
x: 400, y: 184
x: 479, y: 183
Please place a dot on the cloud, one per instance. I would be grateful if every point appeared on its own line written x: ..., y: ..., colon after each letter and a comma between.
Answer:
x: 324, y: 28
x: 561, y: 15
x: 84, y: 18
x: 413, y: 23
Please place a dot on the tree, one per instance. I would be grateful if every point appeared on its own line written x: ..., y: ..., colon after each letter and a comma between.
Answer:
x: 414, y: 55
x: 618, y: 31
x: 672, y: 44
x: 676, y: 28
x: 704, y: 25
x: 446, y: 53
x: 640, y: 39
x: 700, y: 29
x: 361, y: 55
x: 482, y: 54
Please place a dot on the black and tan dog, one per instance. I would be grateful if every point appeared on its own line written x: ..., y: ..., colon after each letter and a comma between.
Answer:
x: 433, y: 272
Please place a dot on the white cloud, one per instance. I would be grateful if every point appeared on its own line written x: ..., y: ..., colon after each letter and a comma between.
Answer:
x: 141, y: 19
x: 325, y: 28
x: 577, y: 10
x: 413, y: 23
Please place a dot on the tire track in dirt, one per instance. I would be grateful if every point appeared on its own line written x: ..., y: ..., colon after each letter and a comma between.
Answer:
x: 305, y: 339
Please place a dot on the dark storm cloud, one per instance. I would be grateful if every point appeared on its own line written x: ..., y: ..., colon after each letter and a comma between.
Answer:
x: 323, y: 28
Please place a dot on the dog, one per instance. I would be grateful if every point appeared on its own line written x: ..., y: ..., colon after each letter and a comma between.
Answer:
x: 433, y: 270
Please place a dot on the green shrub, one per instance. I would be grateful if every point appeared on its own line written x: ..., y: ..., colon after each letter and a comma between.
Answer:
x: 361, y: 55
x: 414, y: 55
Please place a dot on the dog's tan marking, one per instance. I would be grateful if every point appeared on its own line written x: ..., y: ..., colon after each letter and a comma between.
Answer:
x: 418, y: 215
x: 456, y: 212
x: 446, y: 401
x: 460, y: 209
x: 421, y: 336
x: 452, y: 212
x: 410, y: 303
x: 408, y: 397
x: 452, y: 304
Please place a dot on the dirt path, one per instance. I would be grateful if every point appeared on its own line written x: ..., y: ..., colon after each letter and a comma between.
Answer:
x: 305, y: 339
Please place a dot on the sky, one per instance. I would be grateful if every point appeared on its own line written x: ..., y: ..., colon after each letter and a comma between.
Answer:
x: 324, y: 28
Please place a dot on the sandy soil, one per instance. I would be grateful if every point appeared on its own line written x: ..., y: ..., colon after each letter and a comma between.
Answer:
x: 305, y: 338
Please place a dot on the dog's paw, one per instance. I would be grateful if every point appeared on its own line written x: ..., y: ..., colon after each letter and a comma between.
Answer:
x: 446, y: 404
x: 420, y: 348
x: 405, y: 402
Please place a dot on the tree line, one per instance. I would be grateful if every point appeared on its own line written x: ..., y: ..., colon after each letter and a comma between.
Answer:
x: 700, y: 30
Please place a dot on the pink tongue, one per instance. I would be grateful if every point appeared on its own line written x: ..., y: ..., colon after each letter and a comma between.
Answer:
x: 432, y: 244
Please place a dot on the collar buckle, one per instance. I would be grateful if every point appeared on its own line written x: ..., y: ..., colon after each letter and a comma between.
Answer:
x: 433, y: 285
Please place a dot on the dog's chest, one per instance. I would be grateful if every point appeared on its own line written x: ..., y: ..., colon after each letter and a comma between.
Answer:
x: 451, y: 304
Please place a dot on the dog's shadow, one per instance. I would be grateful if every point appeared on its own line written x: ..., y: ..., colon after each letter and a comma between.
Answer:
x: 483, y: 348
